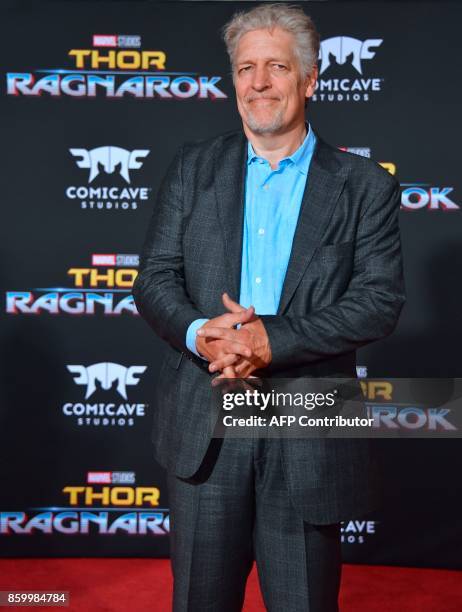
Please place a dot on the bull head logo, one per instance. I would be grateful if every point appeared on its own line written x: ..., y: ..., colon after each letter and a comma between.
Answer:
x: 343, y: 46
x: 106, y: 374
x: 109, y: 158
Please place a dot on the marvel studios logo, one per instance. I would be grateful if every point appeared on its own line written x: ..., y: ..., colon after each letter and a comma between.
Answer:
x: 110, y: 259
x: 361, y: 151
x: 124, y: 41
x: 111, y: 478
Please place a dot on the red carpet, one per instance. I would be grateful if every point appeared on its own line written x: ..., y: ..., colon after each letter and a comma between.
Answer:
x: 142, y: 585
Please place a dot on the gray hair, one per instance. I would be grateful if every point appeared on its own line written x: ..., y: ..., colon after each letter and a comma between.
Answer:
x: 290, y: 18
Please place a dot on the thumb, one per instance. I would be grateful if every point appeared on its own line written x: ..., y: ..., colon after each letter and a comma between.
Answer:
x: 230, y: 319
x: 247, y: 314
x: 230, y: 304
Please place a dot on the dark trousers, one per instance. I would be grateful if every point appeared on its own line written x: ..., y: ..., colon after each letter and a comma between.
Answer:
x: 234, y: 509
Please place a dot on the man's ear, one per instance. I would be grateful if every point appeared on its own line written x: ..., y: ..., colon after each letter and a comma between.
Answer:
x: 311, y: 82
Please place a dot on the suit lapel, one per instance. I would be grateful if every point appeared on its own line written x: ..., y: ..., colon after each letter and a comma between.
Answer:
x: 322, y: 190
x: 230, y: 169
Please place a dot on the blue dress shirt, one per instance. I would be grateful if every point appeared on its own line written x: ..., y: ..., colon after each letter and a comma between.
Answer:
x: 272, y: 204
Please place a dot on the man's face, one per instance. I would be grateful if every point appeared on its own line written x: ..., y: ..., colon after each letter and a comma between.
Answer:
x: 269, y: 88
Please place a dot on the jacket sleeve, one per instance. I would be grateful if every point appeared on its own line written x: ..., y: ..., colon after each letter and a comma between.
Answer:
x: 159, y: 289
x: 370, y: 306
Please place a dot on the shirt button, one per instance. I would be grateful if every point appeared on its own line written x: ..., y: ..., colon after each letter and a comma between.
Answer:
x: 266, y: 187
x: 258, y: 280
x: 261, y: 231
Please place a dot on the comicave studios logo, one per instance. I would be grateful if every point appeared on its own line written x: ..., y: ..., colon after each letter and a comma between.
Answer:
x: 123, y: 70
x: 101, y: 162
x: 98, y: 381
x: 106, y: 374
x: 357, y: 532
x: 351, y: 58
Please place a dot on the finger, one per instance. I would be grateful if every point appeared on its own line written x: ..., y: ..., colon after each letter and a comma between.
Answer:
x: 224, y: 375
x: 243, y: 316
x: 230, y: 304
x: 231, y: 319
x: 222, y: 333
x: 228, y: 372
x: 229, y: 347
x: 247, y: 315
x: 244, y: 368
x: 226, y: 347
x: 221, y: 380
x: 223, y: 362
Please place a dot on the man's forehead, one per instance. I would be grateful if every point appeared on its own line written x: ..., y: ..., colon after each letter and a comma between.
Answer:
x: 266, y: 44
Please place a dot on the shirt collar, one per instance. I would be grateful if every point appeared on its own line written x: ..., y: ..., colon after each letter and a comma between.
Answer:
x: 300, y: 158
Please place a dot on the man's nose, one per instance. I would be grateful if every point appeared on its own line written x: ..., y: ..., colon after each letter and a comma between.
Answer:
x: 261, y: 78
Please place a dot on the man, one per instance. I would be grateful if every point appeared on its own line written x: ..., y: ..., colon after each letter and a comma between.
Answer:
x: 269, y: 254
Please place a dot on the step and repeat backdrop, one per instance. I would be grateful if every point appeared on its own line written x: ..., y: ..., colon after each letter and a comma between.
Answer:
x: 95, y: 99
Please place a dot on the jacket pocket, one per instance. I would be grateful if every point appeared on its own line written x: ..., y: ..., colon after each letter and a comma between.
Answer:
x: 334, y: 251
x: 173, y: 357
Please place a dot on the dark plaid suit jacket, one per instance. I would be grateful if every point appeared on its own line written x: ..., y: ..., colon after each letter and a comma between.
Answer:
x: 343, y: 289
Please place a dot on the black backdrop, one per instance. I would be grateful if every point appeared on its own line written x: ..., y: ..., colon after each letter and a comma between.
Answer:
x: 76, y: 460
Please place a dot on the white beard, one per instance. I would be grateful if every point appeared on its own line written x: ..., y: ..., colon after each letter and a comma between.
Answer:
x: 265, y: 127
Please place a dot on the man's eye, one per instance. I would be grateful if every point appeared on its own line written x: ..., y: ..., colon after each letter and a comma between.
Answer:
x: 279, y: 66
x: 245, y: 68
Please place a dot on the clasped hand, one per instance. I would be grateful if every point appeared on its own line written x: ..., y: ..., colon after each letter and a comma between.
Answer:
x: 236, y: 353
